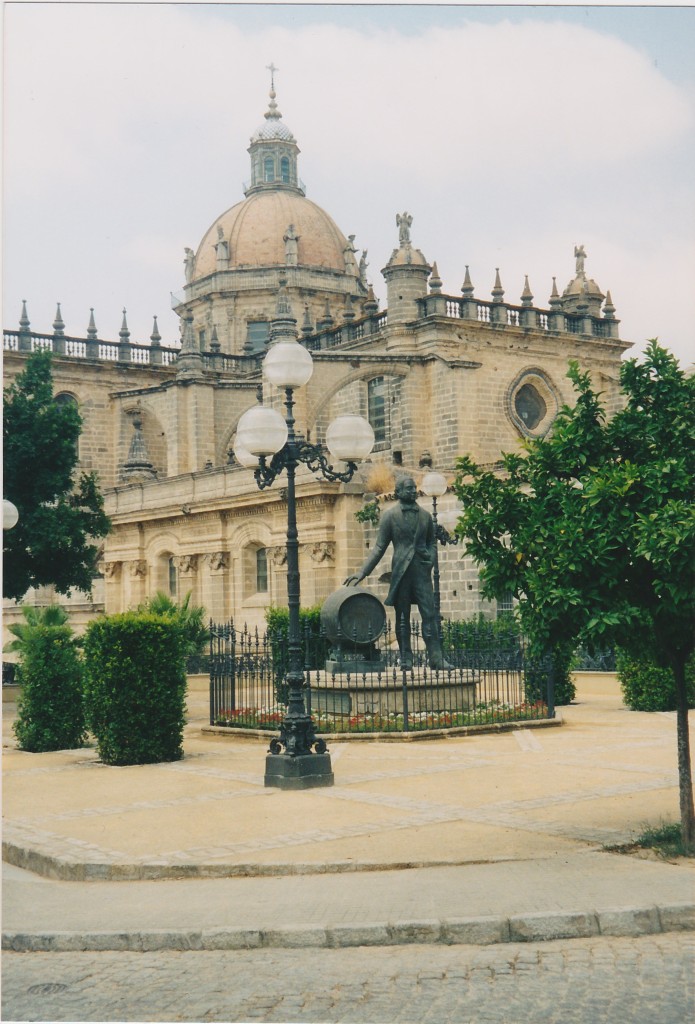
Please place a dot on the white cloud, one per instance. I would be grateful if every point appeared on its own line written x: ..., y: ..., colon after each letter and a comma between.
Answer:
x: 126, y: 130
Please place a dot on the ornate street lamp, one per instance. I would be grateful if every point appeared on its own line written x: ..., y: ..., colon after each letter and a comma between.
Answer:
x: 265, y: 435
x: 10, y: 515
x: 434, y: 485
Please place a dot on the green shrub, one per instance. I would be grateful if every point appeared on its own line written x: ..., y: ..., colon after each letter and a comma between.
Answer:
x: 481, y: 634
x: 136, y: 687
x: 50, y: 707
x: 190, y: 617
x: 315, y: 647
x: 648, y: 687
x: 562, y: 659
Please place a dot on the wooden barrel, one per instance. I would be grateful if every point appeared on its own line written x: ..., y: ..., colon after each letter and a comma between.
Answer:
x: 352, y: 615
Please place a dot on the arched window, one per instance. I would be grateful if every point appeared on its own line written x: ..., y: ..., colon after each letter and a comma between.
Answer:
x: 377, y: 411
x: 65, y: 398
x: 285, y: 169
x: 257, y: 335
x: 173, y: 577
x: 262, y: 570
x: 256, y: 580
x: 269, y: 169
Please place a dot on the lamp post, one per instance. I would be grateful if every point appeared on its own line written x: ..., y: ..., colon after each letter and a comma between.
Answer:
x: 269, y: 440
x: 434, y: 485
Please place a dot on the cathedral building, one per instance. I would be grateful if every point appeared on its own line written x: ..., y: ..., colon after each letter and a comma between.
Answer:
x: 436, y: 375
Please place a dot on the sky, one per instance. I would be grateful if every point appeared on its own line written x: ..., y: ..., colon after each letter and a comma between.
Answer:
x: 509, y: 133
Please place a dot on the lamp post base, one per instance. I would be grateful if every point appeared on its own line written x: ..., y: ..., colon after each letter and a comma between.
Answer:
x: 305, y: 771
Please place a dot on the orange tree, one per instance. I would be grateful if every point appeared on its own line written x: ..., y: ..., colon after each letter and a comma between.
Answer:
x: 593, y: 528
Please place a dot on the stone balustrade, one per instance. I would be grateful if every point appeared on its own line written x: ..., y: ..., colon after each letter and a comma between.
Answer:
x: 90, y: 348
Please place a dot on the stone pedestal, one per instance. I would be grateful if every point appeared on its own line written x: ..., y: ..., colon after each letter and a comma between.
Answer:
x: 306, y: 771
x: 343, y: 695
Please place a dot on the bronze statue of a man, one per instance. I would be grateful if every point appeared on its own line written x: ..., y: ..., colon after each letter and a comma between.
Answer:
x: 411, y: 531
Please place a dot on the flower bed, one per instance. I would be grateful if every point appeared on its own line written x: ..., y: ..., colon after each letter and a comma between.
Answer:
x: 486, y: 713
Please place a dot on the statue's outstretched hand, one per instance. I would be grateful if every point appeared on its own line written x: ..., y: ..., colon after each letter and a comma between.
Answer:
x: 352, y: 581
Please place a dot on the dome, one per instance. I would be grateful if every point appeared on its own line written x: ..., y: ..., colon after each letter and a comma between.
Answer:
x: 255, y: 231
x: 272, y: 129
x: 582, y: 285
x: 407, y: 257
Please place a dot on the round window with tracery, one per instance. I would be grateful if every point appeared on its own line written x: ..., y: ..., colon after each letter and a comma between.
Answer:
x: 532, y: 403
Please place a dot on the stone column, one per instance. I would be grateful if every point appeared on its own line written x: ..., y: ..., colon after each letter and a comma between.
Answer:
x: 277, y: 564
x: 215, y: 586
x: 322, y: 571
x: 111, y: 571
x: 187, y: 566
x: 135, y: 583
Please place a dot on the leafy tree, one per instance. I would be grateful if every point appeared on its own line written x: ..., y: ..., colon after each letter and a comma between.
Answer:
x: 593, y: 527
x: 58, y: 516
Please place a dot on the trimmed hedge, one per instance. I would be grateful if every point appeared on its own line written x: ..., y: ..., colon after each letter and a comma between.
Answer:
x: 136, y: 687
x: 50, y: 707
x: 647, y: 687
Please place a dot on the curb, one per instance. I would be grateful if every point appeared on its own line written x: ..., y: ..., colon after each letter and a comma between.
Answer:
x: 65, y: 870
x: 412, y: 736
x: 480, y: 931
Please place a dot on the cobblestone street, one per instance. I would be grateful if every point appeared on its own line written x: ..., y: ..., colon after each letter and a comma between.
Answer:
x: 583, y: 981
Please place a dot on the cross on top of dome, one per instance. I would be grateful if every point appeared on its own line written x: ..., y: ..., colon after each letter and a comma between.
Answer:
x: 273, y: 150
x: 274, y: 127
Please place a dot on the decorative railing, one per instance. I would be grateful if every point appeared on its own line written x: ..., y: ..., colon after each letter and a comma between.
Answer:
x: 90, y: 348
x: 501, y: 314
x: 346, y: 333
x: 489, y: 681
x: 239, y: 365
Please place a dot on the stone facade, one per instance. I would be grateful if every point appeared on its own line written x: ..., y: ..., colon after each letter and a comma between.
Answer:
x: 437, y: 374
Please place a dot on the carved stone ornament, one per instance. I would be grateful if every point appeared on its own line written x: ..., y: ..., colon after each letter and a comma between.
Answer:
x: 278, y: 555
x: 109, y: 569
x: 322, y: 551
x: 219, y: 559
x: 186, y: 563
x: 138, y: 567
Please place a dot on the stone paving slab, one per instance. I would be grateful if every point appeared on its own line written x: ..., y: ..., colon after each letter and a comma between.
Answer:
x: 488, y: 835
x: 576, y: 895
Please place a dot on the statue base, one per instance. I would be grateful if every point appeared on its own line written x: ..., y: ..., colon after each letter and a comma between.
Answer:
x: 355, y: 666
x: 305, y: 771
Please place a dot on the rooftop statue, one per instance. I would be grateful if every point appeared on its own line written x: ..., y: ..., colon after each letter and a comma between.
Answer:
x: 404, y: 220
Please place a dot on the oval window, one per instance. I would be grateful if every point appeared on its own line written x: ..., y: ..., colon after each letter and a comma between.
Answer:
x: 530, y: 406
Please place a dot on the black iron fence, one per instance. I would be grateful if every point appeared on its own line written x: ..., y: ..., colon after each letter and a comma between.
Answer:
x: 352, y: 689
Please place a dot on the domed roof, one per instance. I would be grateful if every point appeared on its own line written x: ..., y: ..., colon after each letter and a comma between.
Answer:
x: 407, y: 256
x: 255, y: 231
x: 273, y: 128
x: 582, y: 285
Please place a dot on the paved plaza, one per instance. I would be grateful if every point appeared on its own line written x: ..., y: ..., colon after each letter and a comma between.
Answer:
x: 433, y: 875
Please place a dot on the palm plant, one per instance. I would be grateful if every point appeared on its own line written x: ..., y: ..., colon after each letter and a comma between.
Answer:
x: 48, y: 615
x: 191, y: 619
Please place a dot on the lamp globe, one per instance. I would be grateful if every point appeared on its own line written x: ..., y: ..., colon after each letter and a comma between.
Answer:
x: 261, y: 431
x: 349, y: 438
x: 288, y: 364
x: 434, y: 485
